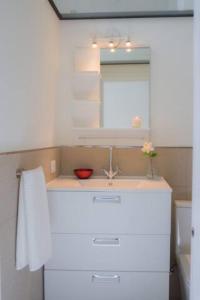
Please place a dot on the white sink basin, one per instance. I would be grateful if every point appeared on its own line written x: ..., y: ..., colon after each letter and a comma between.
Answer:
x: 110, y: 184
x: 102, y: 184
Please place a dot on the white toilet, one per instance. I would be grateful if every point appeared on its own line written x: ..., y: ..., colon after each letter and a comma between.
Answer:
x: 183, y: 242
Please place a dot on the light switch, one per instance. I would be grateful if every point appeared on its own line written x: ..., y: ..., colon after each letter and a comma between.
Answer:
x: 53, y: 166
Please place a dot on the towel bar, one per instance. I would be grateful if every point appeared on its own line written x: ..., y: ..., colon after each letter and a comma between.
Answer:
x: 19, y: 172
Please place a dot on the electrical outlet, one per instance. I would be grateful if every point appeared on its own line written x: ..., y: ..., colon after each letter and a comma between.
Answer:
x: 53, y: 166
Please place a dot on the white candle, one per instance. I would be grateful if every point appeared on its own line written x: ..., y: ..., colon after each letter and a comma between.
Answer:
x: 137, y: 122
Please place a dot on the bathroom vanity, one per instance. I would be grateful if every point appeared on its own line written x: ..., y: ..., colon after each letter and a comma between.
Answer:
x: 110, y: 242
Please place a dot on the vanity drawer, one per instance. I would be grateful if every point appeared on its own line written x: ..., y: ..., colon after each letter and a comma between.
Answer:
x: 107, y: 252
x: 62, y: 285
x: 110, y: 212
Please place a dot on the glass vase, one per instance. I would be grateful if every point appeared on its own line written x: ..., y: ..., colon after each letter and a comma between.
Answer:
x: 151, y: 171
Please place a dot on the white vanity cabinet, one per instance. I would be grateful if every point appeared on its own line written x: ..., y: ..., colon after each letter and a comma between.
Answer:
x: 110, y: 245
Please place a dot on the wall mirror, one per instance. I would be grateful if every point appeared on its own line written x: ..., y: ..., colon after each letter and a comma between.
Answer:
x: 125, y: 81
x: 111, y: 93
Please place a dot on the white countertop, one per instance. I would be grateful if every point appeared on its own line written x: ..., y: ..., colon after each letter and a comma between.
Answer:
x: 136, y: 184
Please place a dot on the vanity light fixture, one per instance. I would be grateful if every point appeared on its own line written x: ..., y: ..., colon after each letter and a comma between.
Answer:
x: 113, y: 50
x: 94, y: 42
x: 111, y: 44
x: 128, y: 43
x: 94, y: 45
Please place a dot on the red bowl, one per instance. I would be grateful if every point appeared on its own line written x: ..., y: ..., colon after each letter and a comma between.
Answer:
x: 83, y: 173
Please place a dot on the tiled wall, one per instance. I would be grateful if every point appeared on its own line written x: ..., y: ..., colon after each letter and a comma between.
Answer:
x: 18, y: 285
x: 174, y: 164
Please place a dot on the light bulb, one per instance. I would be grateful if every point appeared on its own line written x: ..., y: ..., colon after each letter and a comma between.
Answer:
x: 128, y: 50
x: 128, y: 43
x: 111, y: 44
x: 94, y: 45
x: 112, y: 50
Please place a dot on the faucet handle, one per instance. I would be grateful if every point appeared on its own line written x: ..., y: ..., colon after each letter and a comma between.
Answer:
x: 105, y: 172
x: 118, y: 169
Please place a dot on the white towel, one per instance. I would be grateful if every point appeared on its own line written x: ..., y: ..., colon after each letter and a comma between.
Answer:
x: 34, y: 246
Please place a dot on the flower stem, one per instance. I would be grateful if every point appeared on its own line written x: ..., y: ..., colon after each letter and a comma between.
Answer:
x: 151, y: 166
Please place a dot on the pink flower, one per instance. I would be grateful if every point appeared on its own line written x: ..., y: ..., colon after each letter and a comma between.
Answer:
x: 147, y: 148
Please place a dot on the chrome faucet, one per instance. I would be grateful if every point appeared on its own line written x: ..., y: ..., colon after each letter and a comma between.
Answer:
x: 110, y: 173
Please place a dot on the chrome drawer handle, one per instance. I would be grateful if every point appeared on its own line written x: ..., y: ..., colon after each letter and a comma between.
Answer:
x: 107, y: 199
x: 105, y: 278
x: 106, y: 242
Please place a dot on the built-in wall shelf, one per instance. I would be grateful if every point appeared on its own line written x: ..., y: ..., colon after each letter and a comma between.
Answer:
x: 87, y: 59
x: 107, y: 136
x: 86, y: 85
x: 86, y: 114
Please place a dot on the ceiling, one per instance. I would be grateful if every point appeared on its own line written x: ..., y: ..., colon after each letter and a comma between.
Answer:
x: 95, y: 9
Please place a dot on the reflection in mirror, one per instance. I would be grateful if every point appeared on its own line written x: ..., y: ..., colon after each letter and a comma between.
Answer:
x: 125, y: 88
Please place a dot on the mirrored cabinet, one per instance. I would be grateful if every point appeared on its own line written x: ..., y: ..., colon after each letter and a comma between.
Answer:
x: 111, y: 92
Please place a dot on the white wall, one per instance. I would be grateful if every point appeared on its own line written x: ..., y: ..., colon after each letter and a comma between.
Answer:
x: 29, y: 42
x: 170, y: 40
x: 32, y: 115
